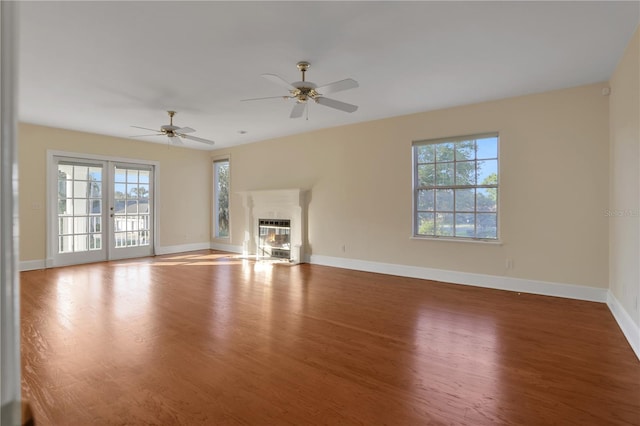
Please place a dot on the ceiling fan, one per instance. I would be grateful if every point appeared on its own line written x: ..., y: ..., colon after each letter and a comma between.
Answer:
x: 174, y: 133
x: 303, y: 91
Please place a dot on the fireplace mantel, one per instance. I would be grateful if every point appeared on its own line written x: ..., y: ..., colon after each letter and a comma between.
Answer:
x: 273, y: 204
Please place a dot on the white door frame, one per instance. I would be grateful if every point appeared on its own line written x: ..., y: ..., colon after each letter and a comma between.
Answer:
x: 60, y: 259
x: 114, y: 253
x: 10, y: 394
x: 51, y: 222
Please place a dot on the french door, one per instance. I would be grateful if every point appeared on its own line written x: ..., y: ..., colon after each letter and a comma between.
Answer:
x: 103, y: 210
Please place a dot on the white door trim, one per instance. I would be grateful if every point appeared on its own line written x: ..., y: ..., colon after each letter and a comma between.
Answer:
x: 51, y: 224
x: 52, y: 237
x: 10, y: 394
x: 114, y: 253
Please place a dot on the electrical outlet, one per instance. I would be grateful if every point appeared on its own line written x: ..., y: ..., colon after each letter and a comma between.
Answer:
x: 343, y: 248
x: 508, y: 264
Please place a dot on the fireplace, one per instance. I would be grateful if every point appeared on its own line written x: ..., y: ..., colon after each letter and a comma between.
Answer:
x: 274, y: 224
x: 274, y: 238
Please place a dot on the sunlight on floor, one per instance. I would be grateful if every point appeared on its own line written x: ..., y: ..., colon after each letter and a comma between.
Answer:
x: 191, y: 260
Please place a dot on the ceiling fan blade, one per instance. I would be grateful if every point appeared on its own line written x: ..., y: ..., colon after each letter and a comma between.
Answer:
x: 338, y: 86
x: 176, y: 140
x: 145, y: 128
x: 332, y: 103
x: 197, y: 139
x: 278, y: 80
x: 268, y: 97
x: 298, y: 110
x: 184, y: 130
x: 142, y: 136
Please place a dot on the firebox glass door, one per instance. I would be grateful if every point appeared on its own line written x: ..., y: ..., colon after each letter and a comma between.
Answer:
x: 274, y: 238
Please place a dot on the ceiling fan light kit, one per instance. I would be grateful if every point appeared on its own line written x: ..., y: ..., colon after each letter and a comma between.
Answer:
x: 302, y: 91
x: 174, y: 133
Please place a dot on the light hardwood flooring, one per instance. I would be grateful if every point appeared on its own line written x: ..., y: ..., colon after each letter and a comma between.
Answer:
x: 204, y: 338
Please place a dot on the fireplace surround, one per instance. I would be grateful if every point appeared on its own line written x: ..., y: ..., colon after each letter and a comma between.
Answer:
x: 274, y: 224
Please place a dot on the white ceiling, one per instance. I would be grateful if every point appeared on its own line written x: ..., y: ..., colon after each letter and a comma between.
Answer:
x: 103, y: 66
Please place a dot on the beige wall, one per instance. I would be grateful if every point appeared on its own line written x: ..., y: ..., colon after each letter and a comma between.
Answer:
x: 624, y: 200
x: 553, y: 185
x: 184, y: 187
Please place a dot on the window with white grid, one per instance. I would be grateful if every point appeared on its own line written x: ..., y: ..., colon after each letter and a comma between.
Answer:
x: 455, y: 186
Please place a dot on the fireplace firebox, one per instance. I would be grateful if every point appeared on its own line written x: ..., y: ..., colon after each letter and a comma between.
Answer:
x: 275, y: 210
x: 274, y: 238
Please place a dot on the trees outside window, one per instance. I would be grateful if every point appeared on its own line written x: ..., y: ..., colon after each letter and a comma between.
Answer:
x: 221, y: 197
x: 456, y: 187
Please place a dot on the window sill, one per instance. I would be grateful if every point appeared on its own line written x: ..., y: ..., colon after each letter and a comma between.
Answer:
x: 458, y: 240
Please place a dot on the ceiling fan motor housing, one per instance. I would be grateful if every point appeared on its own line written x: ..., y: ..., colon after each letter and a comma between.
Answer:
x: 175, y: 133
x: 304, y: 90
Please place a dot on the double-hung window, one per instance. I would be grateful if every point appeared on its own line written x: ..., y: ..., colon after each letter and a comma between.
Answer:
x: 455, y: 187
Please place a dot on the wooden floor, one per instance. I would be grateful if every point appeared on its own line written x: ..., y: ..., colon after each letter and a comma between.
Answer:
x: 206, y: 339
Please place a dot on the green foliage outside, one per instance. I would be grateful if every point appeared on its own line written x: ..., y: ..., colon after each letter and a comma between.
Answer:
x: 436, y: 169
x: 222, y: 170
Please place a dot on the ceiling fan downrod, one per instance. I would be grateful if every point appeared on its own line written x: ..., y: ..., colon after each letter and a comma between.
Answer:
x: 303, y: 67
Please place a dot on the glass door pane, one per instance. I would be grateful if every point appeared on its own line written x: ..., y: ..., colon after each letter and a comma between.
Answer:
x: 131, y: 211
x: 79, y: 204
x: 99, y: 210
x: 79, y: 211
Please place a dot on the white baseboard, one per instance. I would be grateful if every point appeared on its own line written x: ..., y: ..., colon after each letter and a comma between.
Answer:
x: 226, y: 247
x: 545, y: 288
x: 629, y: 328
x: 182, y: 248
x: 31, y: 265
x: 479, y: 280
x: 570, y: 291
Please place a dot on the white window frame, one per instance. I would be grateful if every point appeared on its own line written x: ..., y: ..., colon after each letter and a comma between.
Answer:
x: 214, y: 205
x: 417, y: 188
